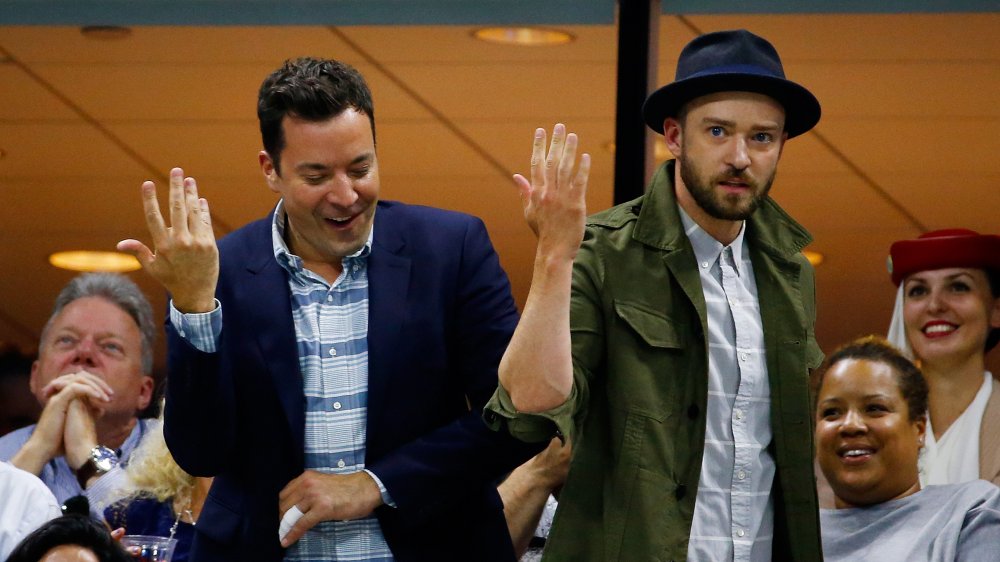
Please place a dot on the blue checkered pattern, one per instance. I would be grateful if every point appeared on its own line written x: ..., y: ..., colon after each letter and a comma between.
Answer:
x: 331, y: 328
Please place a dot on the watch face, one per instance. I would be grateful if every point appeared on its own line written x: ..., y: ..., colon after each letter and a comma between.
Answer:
x: 104, y: 458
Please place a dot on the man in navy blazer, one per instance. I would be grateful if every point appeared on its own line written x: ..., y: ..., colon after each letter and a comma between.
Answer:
x: 328, y: 368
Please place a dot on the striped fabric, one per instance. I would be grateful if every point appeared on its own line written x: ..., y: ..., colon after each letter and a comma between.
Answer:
x: 331, y: 329
x: 734, y: 513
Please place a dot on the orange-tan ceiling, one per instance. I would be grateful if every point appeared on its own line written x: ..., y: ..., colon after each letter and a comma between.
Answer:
x: 908, y: 139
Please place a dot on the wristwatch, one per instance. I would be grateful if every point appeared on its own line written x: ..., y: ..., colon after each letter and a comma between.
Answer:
x: 102, y: 459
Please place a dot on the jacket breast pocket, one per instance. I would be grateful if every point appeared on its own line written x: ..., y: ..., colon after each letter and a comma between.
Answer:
x: 653, y: 327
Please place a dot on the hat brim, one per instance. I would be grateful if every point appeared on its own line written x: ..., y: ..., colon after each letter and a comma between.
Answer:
x: 802, y: 109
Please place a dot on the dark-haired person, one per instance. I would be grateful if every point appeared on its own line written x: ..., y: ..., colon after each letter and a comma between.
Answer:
x: 323, y: 360
x: 70, y: 538
x: 676, y: 349
x: 947, y: 318
x: 870, y: 426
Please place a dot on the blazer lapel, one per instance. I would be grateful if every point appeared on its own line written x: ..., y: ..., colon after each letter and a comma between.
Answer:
x: 388, y: 293
x: 266, y: 286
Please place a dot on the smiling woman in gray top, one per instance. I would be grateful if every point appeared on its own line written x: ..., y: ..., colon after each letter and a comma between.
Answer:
x: 870, y: 425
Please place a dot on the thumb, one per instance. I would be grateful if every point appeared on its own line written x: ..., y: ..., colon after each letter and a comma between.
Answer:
x: 138, y: 250
x: 523, y: 187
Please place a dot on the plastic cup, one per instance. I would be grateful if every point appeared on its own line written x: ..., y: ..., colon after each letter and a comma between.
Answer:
x: 147, y: 548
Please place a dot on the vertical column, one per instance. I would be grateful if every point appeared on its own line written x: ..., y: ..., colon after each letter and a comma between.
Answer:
x: 638, y: 26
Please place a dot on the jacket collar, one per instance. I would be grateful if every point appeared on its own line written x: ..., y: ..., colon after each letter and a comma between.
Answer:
x: 659, y: 225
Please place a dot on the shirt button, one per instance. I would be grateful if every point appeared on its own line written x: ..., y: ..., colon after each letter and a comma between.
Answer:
x: 329, y: 298
x: 704, y: 265
x: 342, y: 464
x: 336, y: 405
x: 740, y: 533
x: 739, y: 413
x: 333, y: 352
x: 741, y: 475
x: 743, y: 357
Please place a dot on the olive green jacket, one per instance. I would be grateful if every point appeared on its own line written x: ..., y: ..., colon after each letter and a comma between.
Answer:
x: 636, y: 414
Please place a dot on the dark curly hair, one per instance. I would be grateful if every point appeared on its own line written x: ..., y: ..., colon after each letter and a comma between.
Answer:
x: 311, y: 89
x: 912, y: 384
x: 74, y: 529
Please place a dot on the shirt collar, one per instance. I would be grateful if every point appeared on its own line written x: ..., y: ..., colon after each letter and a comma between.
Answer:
x: 708, y: 249
x: 293, y: 263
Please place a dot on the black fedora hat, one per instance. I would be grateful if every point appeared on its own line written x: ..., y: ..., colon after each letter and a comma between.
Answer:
x: 732, y: 61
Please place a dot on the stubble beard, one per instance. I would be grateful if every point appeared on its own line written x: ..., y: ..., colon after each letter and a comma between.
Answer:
x: 723, y: 206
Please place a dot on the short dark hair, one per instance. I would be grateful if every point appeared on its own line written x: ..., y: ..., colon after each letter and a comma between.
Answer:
x: 119, y: 291
x: 73, y: 529
x: 910, y: 380
x: 311, y: 89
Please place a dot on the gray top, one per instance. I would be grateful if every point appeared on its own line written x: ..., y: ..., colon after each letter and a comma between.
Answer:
x: 953, y: 522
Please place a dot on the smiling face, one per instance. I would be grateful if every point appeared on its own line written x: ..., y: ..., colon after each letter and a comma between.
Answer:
x: 948, y: 313
x: 727, y: 147
x: 866, y: 442
x: 94, y: 335
x: 329, y: 183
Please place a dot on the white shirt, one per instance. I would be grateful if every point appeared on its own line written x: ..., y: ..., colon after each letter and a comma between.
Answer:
x: 734, y: 513
x: 955, y: 458
x: 26, y: 504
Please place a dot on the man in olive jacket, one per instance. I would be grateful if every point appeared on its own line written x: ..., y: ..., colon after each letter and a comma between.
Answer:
x: 676, y: 349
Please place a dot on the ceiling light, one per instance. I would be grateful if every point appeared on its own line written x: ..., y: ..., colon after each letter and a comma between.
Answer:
x: 85, y: 260
x: 815, y: 258
x: 525, y: 36
x: 105, y: 32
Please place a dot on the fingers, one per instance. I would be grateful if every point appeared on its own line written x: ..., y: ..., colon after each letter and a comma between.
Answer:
x: 568, y: 160
x: 178, y: 204
x: 154, y: 219
x: 582, y: 174
x: 555, y: 153
x: 308, y: 520
x: 538, y: 157
x: 79, y: 384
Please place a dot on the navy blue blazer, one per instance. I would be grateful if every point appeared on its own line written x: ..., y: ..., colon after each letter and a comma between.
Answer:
x: 440, y: 316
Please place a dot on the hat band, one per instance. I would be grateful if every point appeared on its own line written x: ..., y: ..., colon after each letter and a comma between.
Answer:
x: 737, y: 69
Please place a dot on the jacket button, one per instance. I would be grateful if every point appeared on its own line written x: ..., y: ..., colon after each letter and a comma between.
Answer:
x: 680, y: 492
x: 491, y: 416
x: 693, y: 411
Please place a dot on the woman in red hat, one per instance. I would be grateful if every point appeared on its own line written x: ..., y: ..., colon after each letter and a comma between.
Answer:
x: 947, y: 317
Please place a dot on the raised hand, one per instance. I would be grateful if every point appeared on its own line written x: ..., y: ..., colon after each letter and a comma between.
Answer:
x: 554, y: 199
x: 327, y: 497
x: 185, y: 258
x: 537, y: 368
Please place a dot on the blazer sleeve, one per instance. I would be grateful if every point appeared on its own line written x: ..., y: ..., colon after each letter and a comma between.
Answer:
x: 458, y: 459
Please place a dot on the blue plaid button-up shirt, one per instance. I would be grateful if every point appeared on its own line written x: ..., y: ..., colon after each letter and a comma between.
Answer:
x: 331, y: 329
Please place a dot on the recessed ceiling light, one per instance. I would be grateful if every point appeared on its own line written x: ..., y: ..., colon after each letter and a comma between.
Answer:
x: 526, y: 36
x: 105, y: 32
x: 85, y: 260
x: 815, y: 258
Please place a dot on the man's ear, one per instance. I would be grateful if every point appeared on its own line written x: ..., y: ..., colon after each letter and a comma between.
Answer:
x: 33, y: 381
x: 145, y: 393
x: 673, y: 136
x: 269, y: 170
